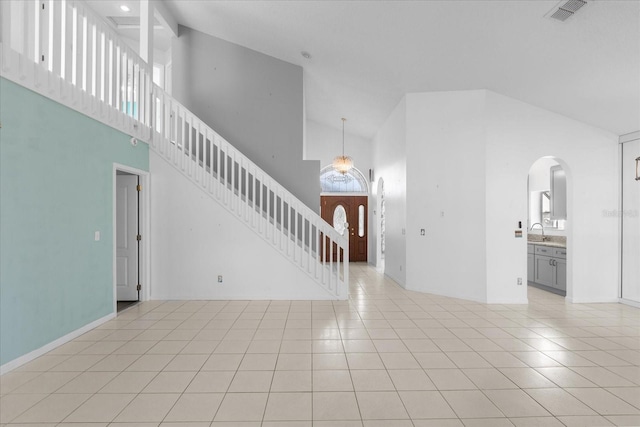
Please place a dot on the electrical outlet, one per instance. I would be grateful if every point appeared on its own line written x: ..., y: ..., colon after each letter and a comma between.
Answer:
x: 220, y: 279
x: 519, y: 281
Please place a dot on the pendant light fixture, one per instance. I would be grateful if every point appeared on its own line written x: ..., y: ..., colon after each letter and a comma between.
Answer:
x: 343, y: 164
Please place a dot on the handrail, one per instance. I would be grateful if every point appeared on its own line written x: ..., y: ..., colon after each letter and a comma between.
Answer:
x: 60, y: 49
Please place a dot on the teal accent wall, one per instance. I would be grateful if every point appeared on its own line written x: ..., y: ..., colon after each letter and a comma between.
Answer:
x: 56, y: 191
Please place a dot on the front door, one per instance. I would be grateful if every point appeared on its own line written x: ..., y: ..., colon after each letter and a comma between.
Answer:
x: 126, y: 237
x: 348, y: 214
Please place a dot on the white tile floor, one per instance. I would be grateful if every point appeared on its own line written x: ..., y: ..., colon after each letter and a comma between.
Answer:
x: 386, y: 357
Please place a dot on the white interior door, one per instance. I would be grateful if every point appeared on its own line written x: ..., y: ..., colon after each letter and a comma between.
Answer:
x: 126, y: 237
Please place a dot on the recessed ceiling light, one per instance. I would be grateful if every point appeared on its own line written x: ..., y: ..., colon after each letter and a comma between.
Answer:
x: 305, y: 54
x: 125, y: 8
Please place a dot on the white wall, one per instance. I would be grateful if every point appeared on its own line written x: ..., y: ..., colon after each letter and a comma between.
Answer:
x: 445, y: 194
x: 194, y: 240
x: 253, y: 100
x: 468, y: 154
x: 540, y: 174
x: 390, y: 160
x: 517, y: 135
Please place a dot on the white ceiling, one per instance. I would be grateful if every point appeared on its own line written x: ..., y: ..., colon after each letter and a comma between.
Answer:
x: 367, y: 54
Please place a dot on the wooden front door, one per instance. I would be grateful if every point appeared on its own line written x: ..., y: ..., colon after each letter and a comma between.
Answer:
x: 348, y: 214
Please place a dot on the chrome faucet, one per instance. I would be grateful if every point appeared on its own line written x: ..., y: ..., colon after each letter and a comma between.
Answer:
x: 544, y: 238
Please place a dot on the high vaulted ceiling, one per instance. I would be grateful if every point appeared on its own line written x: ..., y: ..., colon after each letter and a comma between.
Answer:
x: 365, y: 55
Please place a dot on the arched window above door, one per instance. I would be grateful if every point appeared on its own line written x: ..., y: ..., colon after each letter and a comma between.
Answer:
x: 332, y: 181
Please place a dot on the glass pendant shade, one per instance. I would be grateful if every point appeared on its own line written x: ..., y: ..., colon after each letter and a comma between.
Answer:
x: 343, y: 164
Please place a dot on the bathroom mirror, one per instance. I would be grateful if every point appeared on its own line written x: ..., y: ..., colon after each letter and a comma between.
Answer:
x: 540, y: 209
x: 546, y: 187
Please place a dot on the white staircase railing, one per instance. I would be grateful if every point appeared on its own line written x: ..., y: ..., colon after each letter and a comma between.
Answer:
x: 59, y: 49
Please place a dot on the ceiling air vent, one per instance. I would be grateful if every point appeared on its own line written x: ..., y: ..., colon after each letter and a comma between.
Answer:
x: 565, y: 9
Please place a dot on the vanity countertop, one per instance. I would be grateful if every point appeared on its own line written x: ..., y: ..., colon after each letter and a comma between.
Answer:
x: 551, y: 244
x: 552, y: 241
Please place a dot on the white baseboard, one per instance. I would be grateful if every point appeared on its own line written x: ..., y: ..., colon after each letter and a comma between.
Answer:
x: 256, y: 297
x: 15, y: 363
x: 632, y: 303
x: 440, y: 292
x: 592, y: 300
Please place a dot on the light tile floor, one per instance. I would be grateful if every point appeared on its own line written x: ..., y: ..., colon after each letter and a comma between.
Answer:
x: 386, y: 357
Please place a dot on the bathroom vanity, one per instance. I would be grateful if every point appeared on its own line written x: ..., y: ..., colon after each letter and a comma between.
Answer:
x: 547, y: 266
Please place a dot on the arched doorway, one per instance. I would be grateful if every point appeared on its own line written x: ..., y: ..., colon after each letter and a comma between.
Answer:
x: 547, y: 226
x: 344, y: 205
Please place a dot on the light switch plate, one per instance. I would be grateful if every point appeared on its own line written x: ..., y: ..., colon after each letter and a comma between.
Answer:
x: 96, y: 236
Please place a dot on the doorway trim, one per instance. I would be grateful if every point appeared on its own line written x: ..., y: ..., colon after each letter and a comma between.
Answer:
x: 144, y: 248
x: 622, y: 140
x: 380, y: 261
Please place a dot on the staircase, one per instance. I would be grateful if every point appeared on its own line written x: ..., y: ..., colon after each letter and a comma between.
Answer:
x: 59, y: 49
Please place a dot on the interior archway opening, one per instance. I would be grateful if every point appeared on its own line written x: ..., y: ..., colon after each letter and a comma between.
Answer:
x: 548, y: 226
